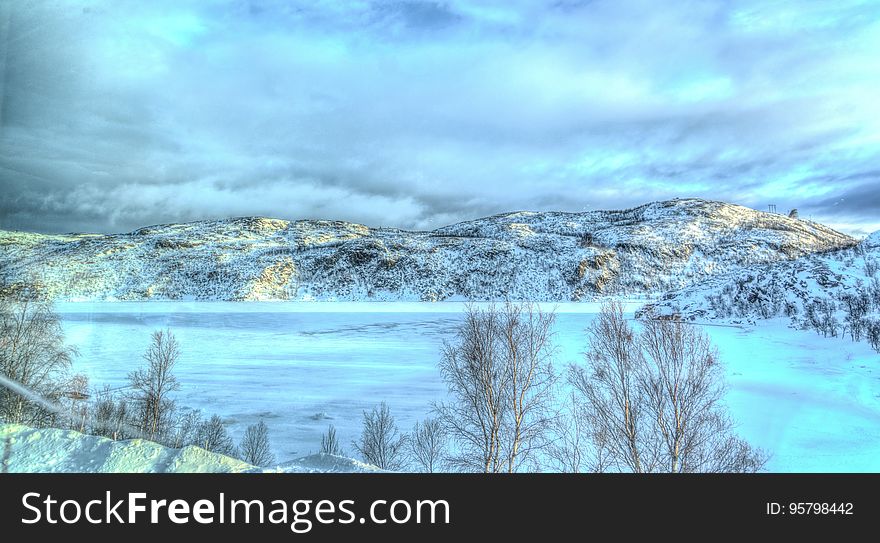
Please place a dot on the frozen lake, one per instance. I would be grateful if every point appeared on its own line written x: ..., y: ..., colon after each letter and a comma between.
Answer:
x: 813, y: 402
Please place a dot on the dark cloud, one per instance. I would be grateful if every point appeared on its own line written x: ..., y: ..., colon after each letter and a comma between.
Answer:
x: 416, y: 14
x: 853, y: 202
x: 419, y: 113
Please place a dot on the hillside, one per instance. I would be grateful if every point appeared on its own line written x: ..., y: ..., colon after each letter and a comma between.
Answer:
x: 50, y: 450
x: 549, y: 256
x: 837, y: 294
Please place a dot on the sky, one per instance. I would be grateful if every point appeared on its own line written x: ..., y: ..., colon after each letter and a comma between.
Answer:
x: 416, y: 114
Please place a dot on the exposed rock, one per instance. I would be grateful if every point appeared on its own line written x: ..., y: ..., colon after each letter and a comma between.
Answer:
x: 550, y: 256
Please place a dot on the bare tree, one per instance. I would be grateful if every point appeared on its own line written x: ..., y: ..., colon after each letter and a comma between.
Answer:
x: 427, y: 445
x: 32, y: 355
x: 610, y: 387
x: 728, y: 454
x: 254, y: 448
x: 154, y: 384
x: 579, y: 445
x: 872, y: 332
x: 381, y: 443
x: 186, y: 428
x: 7, y: 454
x: 828, y: 318
x: 874, y: 293
x: 657, y: 398
x: 76, y: 397
x: 330, y: 443
x: 856, y: 306
x: 499, y: 375
x: 683, y: 382
x: 111, y: 415
x: 212, y: 436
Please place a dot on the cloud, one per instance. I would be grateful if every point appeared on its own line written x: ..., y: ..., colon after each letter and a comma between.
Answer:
x: 418, y: 113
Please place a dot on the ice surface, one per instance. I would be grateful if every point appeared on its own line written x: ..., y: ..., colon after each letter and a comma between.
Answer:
x: 814, y: 403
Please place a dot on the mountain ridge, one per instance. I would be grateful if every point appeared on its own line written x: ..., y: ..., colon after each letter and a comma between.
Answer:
x: 543, y: 256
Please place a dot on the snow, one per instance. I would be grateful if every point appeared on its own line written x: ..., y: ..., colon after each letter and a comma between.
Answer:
x: 782, y: 288
x: 548, y: 256
x: 872, y: 240
x: 59, y: 451
x: 814, y: 403
x: 50, y: 450
x: 326, y: 463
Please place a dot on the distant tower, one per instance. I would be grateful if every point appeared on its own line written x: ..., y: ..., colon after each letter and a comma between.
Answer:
x: 793, y: 214
x: 771, y: 208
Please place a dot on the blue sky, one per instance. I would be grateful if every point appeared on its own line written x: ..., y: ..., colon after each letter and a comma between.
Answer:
x: 416, y: 114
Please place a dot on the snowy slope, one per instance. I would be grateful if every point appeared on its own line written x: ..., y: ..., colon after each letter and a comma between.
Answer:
x: 61, y: 451
x: 548, y: 256
x: 834, y: 293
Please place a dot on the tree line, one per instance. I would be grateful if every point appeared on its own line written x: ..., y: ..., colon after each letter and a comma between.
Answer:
x: 836, y: 309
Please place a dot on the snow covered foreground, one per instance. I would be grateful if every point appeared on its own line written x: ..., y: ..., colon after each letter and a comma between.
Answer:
x: 51, y: 450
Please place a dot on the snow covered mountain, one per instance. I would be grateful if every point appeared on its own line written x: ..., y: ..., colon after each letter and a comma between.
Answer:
x: 51, y: 450
x: 549, y: 256
x: 836, y: 293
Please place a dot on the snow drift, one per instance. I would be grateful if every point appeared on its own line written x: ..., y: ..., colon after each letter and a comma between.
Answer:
x: 30, y: 450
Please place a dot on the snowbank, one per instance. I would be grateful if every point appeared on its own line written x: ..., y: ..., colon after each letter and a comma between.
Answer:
x: 326, y: 463
x: 51, y: 450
